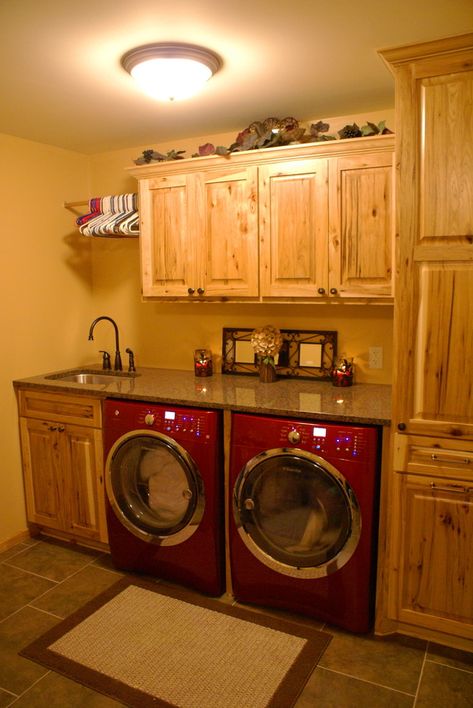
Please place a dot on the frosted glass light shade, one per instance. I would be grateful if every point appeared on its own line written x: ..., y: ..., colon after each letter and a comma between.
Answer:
x: 169, y: 72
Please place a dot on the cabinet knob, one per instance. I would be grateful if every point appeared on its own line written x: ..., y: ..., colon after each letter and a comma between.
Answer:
x: 321, y: 291
x: 200, y: 291
x: 401, y: 426
x: 191, y: 291
x: 333, y: 291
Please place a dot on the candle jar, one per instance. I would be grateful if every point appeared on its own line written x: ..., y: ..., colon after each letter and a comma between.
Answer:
x: 342, y: 374
x: 203, y: 362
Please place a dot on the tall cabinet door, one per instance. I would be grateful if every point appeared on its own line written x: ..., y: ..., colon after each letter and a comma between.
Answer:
x: 167, y: 236
x: 361, y: 225
x: 227, y: 225
x: 434, y: 315
x: 294, y: 228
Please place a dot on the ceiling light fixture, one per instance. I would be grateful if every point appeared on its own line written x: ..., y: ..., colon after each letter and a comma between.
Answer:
x: 171, y: 71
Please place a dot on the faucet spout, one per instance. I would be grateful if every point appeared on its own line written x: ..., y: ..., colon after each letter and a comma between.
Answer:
x: 118, y: 360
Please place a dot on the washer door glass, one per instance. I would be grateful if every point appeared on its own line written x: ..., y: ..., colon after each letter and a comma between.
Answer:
x: 154, y: 488
x: 296, y: 513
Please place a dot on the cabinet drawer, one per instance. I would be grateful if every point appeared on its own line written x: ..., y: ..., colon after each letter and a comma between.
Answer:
x: 59, y: 407
x: 433, y: 456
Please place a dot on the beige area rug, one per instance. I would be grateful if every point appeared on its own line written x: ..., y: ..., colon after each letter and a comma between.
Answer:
x: 148, y: 645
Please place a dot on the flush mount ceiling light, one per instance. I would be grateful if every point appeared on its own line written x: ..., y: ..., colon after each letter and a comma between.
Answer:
x: 170, y: 71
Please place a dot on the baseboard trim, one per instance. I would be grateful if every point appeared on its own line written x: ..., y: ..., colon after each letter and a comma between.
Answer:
x: 18, y: 538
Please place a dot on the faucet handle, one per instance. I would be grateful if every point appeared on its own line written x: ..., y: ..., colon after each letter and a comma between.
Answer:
x: 106, y: 362
x: 131, y: 359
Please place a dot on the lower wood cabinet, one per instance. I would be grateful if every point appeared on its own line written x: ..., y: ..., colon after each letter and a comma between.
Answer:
x: 431, y: 520
x: 62, y: 453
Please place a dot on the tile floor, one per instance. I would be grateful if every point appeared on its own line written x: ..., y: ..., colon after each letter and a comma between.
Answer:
x: 43, y: 581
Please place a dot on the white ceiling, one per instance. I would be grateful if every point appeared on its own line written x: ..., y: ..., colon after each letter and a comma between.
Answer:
x: 61, y: 81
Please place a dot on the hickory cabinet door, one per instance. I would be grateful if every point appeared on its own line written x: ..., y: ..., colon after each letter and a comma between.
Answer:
x: 294, y: 228
x: 435, y: 293
x: 361, y: 241
x: 436, y: 554
x: 226, y: 226
x: 167, y: 237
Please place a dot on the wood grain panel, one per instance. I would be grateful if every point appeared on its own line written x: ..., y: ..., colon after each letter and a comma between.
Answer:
x: 437, y: 554
x: 443, y: 371
x: 361, y: 225
x: 229, y: 231
x: 81, y: 488
x: 447, y: 157
x: 42, y: 464
x: 294, y: 228
x: 60, y: 408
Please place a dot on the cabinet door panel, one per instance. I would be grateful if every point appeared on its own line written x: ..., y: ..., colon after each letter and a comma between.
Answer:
x: 446, y: 206
x: 42, y: 463
x: 228, y: 224
x: 440, y: 399
x: 436, y: 556
x: 81, y: 483
x: 361, y: 225
x: 166, y: 245
x: 293, y: 228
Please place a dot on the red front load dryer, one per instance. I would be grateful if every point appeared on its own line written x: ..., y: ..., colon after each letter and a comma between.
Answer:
x: 303, y: 517
x: 164, y: 483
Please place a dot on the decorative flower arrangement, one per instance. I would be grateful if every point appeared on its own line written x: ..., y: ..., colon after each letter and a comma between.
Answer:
x: 266, y: 341
x: 271, y: 132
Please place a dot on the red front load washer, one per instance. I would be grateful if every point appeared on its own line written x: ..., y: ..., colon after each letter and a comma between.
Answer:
x: 303, y: 517
x: 164, y: 484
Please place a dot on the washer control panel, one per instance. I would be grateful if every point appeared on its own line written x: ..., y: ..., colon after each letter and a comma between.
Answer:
x: 172, y: 421
x: 179, y: 423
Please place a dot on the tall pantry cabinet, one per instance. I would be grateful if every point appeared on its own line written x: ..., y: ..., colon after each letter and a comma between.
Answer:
x: 430, y: 515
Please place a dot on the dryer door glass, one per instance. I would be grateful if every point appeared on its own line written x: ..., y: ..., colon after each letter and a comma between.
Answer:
x: 154, y: 488
x: 296, y: 513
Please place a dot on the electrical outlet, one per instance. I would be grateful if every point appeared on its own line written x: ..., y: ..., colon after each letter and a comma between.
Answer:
x: 375, y: 357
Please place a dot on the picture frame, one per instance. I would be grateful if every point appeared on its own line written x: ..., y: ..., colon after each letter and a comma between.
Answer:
x: 305, y: 354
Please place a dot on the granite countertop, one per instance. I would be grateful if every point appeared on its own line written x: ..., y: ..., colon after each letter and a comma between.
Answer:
x: 360, y: 403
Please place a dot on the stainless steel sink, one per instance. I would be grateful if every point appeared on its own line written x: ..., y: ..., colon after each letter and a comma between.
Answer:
x: 91, y: 377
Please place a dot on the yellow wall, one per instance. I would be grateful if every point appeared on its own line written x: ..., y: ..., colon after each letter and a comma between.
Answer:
x: 165, y: 335
x: 45, y: 288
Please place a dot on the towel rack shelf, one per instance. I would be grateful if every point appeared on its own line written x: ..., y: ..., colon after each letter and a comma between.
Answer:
x: 72, y: 205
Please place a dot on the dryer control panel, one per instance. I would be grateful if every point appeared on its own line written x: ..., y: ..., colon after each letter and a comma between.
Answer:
x: 329, y: 440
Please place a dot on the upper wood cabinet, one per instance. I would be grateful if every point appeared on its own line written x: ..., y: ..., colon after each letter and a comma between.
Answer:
x: 304, y: 222
x: 200, y: 234
x: 434, y: 315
